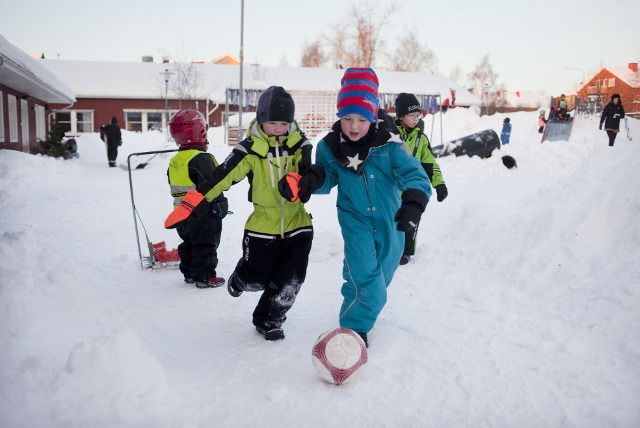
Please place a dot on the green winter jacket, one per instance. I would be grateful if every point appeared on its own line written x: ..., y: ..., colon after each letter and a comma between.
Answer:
x: 423, y: 153
x: 180, y: 172
x: 265, y: 160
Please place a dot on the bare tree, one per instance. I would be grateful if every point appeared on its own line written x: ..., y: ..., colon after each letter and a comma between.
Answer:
x: 186, y: 82
x: 456, y: 75
x: 413, y: 56
x: 356, y: 40
x: 483, y: 74
x: 313, y: 55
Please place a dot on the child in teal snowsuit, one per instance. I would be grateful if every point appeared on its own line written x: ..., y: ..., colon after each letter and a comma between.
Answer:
x: 382, y: 192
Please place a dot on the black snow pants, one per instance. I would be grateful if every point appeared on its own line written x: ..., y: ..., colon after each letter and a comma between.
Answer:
x: 199, y: 248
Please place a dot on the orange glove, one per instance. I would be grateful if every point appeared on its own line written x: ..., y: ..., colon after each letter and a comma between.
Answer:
x: 181, y: 214
x: 289, y: 186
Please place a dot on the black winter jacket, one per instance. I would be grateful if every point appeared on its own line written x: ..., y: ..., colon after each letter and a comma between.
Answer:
x: 611, y: 115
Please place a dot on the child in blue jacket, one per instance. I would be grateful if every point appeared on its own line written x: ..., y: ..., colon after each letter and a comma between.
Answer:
x: 382, y: 192
x: 506, y: 131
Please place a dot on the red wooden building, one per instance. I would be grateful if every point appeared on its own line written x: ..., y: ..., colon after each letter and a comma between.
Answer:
x: 611, y: 80
x: 29, y: 93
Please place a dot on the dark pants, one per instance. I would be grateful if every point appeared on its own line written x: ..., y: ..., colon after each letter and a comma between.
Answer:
x: 410, y: 241
x: 199, y: 248
x: 275, y: 266
x: 112, y: 153
x: 612, y: 136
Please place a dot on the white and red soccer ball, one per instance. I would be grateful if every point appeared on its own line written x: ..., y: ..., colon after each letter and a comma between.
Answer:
x: 339, y: 355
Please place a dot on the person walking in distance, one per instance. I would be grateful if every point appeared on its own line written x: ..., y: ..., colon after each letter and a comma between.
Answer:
x: 112, y: 137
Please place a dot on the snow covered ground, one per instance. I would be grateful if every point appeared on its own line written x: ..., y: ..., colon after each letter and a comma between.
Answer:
x: 520, y: 309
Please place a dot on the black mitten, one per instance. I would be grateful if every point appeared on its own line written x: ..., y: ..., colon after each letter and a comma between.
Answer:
x: 413, y: 205
x: 312, y: 179
x: 600, y: 127
x: 220, y: 206
x: 442, y: 192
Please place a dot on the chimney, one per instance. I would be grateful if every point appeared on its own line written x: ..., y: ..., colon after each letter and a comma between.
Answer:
x: 633, y: 66
x: 165, y: 59
x: 147, y: 58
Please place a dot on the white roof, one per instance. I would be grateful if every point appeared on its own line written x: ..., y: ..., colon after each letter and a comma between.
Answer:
x: 95, y: 79
x: 19, y: 71
x: 629, y: 76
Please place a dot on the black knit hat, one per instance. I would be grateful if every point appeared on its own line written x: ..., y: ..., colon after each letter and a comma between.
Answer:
x: 275, y: 105
x: 406, y: 104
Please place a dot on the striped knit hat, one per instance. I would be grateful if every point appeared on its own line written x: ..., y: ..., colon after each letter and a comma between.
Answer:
x: 359, y: 94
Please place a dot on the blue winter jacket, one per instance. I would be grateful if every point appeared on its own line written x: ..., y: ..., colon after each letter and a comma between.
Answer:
x: 367, y: 203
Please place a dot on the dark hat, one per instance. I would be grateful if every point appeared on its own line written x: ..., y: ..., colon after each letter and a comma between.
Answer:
x: 275, y: 105
x: 507, y: 120
x: 406, y: 104
x: 615, y: 96
x: 114, y: 120
x: 359, y: 94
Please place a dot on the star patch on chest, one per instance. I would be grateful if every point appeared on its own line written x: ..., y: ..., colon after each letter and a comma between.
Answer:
x: 354, y: 161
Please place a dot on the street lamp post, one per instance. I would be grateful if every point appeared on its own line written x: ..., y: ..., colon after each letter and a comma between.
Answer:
x: 166, y: 74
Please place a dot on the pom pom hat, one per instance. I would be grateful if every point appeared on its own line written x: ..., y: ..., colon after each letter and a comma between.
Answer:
x: 275, y: 105
x: 359, y: 94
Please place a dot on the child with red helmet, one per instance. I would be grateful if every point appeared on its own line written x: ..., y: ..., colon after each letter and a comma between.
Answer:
x: 187, y: 169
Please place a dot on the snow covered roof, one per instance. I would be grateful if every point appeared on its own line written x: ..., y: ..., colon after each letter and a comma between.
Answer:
x: 19, y: 71
x: 142, y: 80
x: 627, y: 75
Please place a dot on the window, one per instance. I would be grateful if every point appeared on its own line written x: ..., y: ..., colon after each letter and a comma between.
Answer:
x: 612, y: 82
x: 75, y: 121
x: 1, y: 118
x: 142, y: 121
x: 41, y: 132
x: 24, y: 119
x: 64, y: 120
x: 134, y: 121
x: 13, y: 118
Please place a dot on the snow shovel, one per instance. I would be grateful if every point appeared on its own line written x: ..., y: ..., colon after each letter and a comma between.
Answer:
x: 144, y: 164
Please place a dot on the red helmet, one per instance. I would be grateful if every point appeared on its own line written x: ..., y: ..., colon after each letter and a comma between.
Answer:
x: 188, y: 127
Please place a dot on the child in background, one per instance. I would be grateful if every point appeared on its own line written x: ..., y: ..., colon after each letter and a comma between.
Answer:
x: 542, y: 121
x: 187, y: 169
x: 409, y: 113
x: 506, y: 131
x: 278, y: 234
x: 371, y: 168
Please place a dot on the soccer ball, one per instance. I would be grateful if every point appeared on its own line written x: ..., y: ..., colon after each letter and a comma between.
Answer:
x: 339, y: 355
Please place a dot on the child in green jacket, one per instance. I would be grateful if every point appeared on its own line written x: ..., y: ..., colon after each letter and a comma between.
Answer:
x: 409, y: 113
x: 278, y: 233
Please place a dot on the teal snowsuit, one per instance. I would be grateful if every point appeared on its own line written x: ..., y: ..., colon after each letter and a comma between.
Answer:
x: 368, y: 199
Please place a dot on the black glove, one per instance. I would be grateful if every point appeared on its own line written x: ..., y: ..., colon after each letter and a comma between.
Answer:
x: 294, y: 187
x: 442, y: 192
x: 600, y: 127
x: 312, y: 179
x: 220, y: 206
x: 413, y: 204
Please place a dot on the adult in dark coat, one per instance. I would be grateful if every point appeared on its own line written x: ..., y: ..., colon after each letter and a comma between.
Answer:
x: 112, y: 137
x: 611, y: 115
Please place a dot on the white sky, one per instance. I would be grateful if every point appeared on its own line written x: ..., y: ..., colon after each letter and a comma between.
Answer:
x: 529, y: 43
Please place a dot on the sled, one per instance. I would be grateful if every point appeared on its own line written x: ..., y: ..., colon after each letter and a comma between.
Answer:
x: 480, y: 144
x: 159, y: 257
x: 557, y: 130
